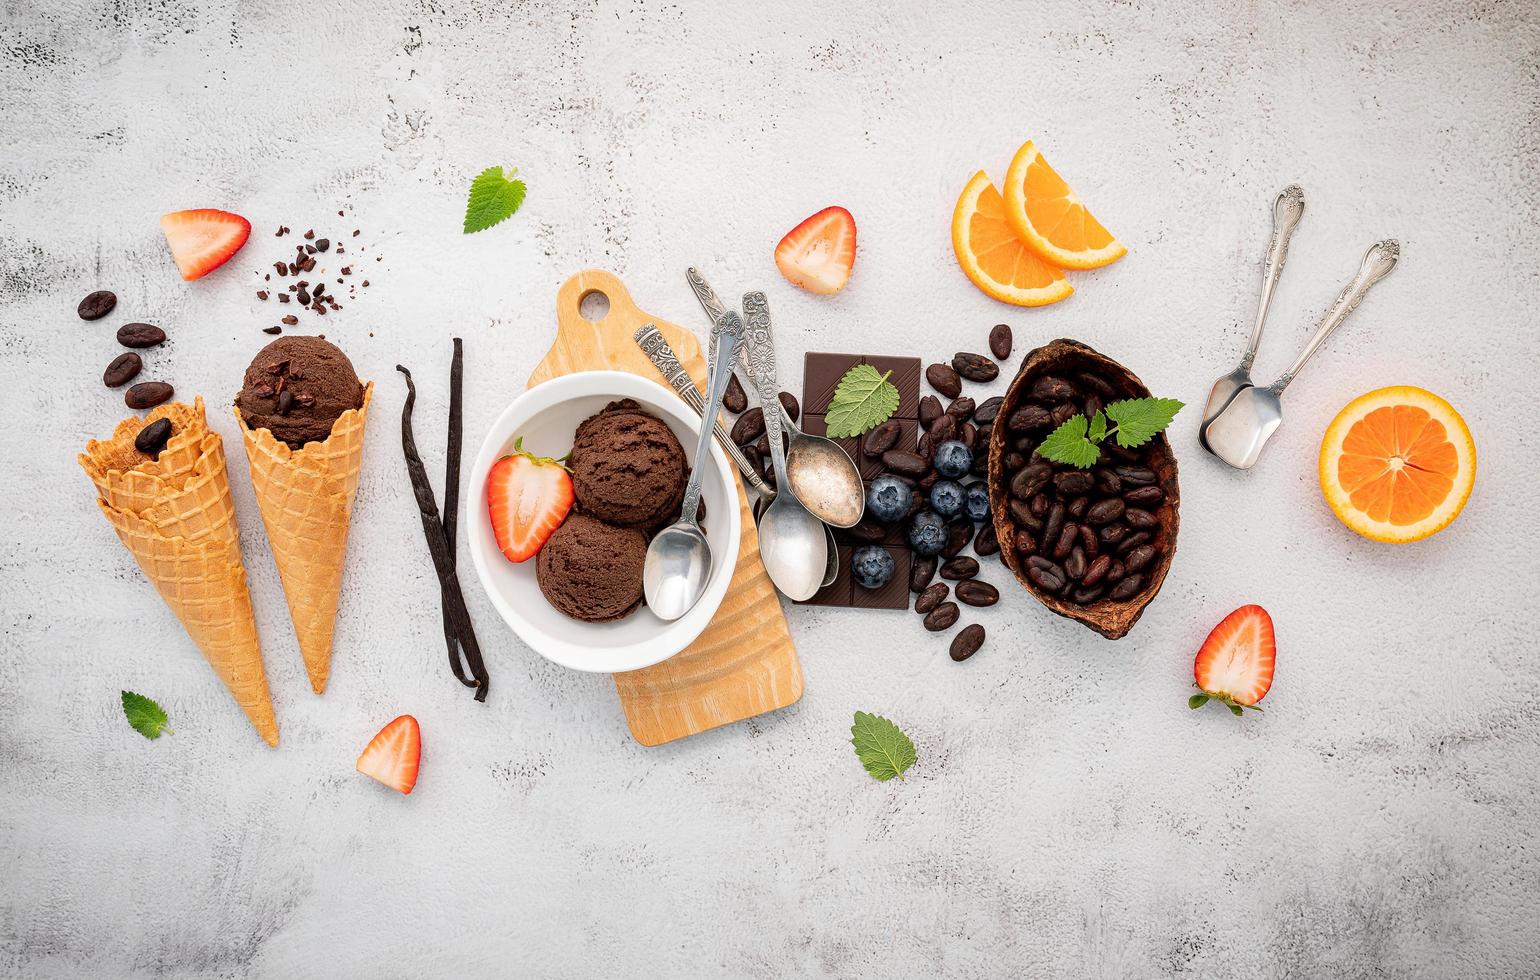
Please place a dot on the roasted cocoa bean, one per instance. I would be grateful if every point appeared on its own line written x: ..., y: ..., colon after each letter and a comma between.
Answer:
x: 147, y: 394
x: 1069, y: 534
x: 1115, y: 572
x: 928, y: 480
x: 97, y: 305
x: 931, y: 597
x: 1142, y: 519
x: 1113, y: 533
x: 1073, y: 483
x: 1062, y: 413
x: 789, y: 402
x: 1131, y: 542
x: 959, y: 568
x: 942, y: 617
x: 750, y: 426
x: 1139, y: 557
x: 975, y: 367
x: 930, y: 410
x: 944, y: 380
x: 1088, y: 541
x: 905, y: 463
x: 1091, y: 405
x: 1105, y: 511
x: 987, y: 409
x: 980, y: 464
x: 1000, y: 341
x: 1078, y: 506
x: 1051, y: 389
x: 1075, y: 565
x: 152, y: 438
x: 1107, y: 481
x: 924, y: 445
x: 140, y: 335
x: 1030, y: 480
x: 1028, y: 418
x: 1026, y: 541
x: 1087, y: 594
x: 920, y: 573
x: 1039, y: 505
x: 976, y: 592
x: 985, y: 543
x: 1127, y: 588
x: 735, y: 400
x: 1053, y: 525
x: 867, y: 530
x: 1095, y: 383
x: 958, y: 537
x: 942, y: 429
x: 1020, y: 512
x: 122, y: 370
x: 967, y: 642
x: 882, y: 438
x: 1145, y: 496
x: 961, y: 408
x: 1012, y: 461
x: 1026, y: 445
x: 968, y: 436
x: 1138, y: 476
x: 1096, y: 570
x: 1045, y: 574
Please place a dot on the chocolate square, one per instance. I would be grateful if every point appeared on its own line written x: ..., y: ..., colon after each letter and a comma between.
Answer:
x: 821, y: 374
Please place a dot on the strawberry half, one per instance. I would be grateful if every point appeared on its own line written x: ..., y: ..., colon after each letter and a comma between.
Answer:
x: 1235, y: 664
x: 818, y: 253
x: 528, y: 496
x: 203, y: 240
x: 392, y: 756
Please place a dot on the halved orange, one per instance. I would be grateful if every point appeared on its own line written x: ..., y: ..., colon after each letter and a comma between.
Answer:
x: 1049, y: 217
x: 1397, y: 464
x: 993, y: 257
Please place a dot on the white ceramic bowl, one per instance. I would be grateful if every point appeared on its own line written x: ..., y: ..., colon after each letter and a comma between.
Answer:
x: 546, y: 416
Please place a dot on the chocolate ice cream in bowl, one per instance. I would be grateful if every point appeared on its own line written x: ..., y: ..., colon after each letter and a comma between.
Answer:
x: 569, y: 485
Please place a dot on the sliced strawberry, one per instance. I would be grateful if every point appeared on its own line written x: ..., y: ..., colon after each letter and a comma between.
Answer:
x: 393, y: 754
x: 818, y: 253
x: 1235, y: 664
x: 203, y: 240
x: 528, y: 496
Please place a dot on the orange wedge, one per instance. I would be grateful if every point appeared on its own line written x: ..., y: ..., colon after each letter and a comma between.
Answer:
x: 1048, y: 216
x: 1397, y: 464
x: 993, y: 257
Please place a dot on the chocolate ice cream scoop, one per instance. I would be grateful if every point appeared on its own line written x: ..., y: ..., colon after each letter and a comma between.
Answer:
x: 592, y: 571
x: 296, y: 387
x: 628, y: 467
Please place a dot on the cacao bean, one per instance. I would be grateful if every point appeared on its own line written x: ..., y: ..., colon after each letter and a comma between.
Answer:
x: 1062, y: 413
x: 1078, y: 506
x: 147, y: 394
x: 1051, y: 389
x: 1053, y: 526
x: 1031, y: 479
x: 868, y: 531
x: 961, y: 567
x: 735, y: 400
x: 1073, y: 483
x: 1028, y: 418
x: 140, y: 335
x: 1115, y: 572
x: 1139, y: 557
x: 1095, y: 383
x: 1138, y: 476
x: 1000, y: 341
x: 1038, y: 504
x: 152, y: 438
x: 1069, y: 534
x: 1145, y: 496
x: 1113, y: 533
x: 957, y: 538
x: 1075, y: 564
x: 882, y: 438
x: 967, y: 642
x: 930, y: 410
x: 975, y: 367
x: 920, y: 573
x: 905, y: 463
x: 122, y: 370
x: 944, y: 379
x: 1096, y: 570
x: 789, y: 402
x: 1132, y: 541
x: 97, y: 305
x: 942, y: 429
x: 1026, y: 541
x: 986, y: 543
x: 987, y: 410
x: 1127, y: 588
x: 942, y: 617
x: 1087, y: 594
x: 750, y: 426
x: 976, y: 592
x: 1108, y: 482
x: 1142, y: 519
x: 1105, y: 511
x: 931, y: 597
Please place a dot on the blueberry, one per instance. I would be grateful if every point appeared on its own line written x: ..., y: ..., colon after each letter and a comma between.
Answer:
x: 946, y: 498
x: 953, y: 459
x: 977, y: 504
x: 928, y: 534
x: 871, y: 566
x: 888, y: 499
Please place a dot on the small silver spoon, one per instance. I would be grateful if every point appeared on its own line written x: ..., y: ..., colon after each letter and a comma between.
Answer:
x: 792, y: 541
x: 678, y: 562
x: 1242, y: 429
x: 821, y: 474
x: 1287, y: 210
x: 651, y: 341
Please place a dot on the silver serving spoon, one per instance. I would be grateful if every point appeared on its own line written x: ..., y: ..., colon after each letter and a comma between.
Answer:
x: 651, y: 341
x: 1242, y: 429
x: 792, y: 541
x: 821, y: 474
x: 678, y: 562
x: 1287, y: 210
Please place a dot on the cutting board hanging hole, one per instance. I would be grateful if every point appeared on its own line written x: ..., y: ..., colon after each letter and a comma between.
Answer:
x: 594, y: 306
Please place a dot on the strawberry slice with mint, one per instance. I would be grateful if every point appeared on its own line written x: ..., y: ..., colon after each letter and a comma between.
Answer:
x: 203, y: 239
x: 818, y: 254
x: 1235, y: 664
x: 392, y: 756
x: 528, y: 496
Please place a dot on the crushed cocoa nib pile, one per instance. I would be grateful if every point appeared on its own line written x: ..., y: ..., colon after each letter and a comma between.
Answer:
x: 310, y: 289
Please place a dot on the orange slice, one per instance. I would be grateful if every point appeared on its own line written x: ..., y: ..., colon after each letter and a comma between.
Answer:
x: 1049, y: 217
x: 1397, y: 464
x: 993, y: 257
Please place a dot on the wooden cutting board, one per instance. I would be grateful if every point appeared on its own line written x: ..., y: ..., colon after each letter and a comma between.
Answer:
x: 744, y: 663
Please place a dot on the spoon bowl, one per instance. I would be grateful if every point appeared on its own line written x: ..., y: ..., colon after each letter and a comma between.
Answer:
x: 676, y: 569
x: 825, y: 479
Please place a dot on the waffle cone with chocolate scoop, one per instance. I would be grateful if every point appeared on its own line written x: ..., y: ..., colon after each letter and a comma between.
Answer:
x: 176, y: 516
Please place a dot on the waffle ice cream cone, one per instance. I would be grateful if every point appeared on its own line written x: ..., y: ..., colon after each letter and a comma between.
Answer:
x: 176, y: 516
x: 306, y: 499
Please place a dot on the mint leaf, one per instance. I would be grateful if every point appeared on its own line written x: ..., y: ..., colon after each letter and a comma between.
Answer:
x: 862, y: 401
x: 1068, y: 444
x: 881, y: 746
x: 494, y: 198
x: 1098, y: 428
x: 1140, y: 419
x: 146, y: 717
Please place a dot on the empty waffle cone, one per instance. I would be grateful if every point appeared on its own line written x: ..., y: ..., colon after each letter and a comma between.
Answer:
x: 306, y: 499
x: 176, y: 516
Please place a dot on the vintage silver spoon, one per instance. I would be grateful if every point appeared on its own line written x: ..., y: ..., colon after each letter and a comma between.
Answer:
x: 1287, y: 210
x: 651, y: 341
x: 822, y: 475
x: 1242, y: 429
x: 678, y: 562
x: 792, y: 541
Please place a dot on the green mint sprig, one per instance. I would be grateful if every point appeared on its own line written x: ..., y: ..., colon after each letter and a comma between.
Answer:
x: 494, y: 198
x: 882, y: 747
x: 146, y: 717
x: 863, y: 400
x: 1135, y: 421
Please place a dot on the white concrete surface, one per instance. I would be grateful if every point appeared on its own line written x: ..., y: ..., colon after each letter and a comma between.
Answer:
x: 1068, y: 815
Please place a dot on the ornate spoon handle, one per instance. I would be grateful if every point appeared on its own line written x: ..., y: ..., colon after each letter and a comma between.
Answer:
x: 1377, y: 263
x: 1287, y: 210
x: 761, y: 353
x: 725, y: 338
x: 715, y: 310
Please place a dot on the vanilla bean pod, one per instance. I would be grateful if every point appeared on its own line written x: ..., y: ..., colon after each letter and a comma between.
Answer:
x: 452, y: 504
